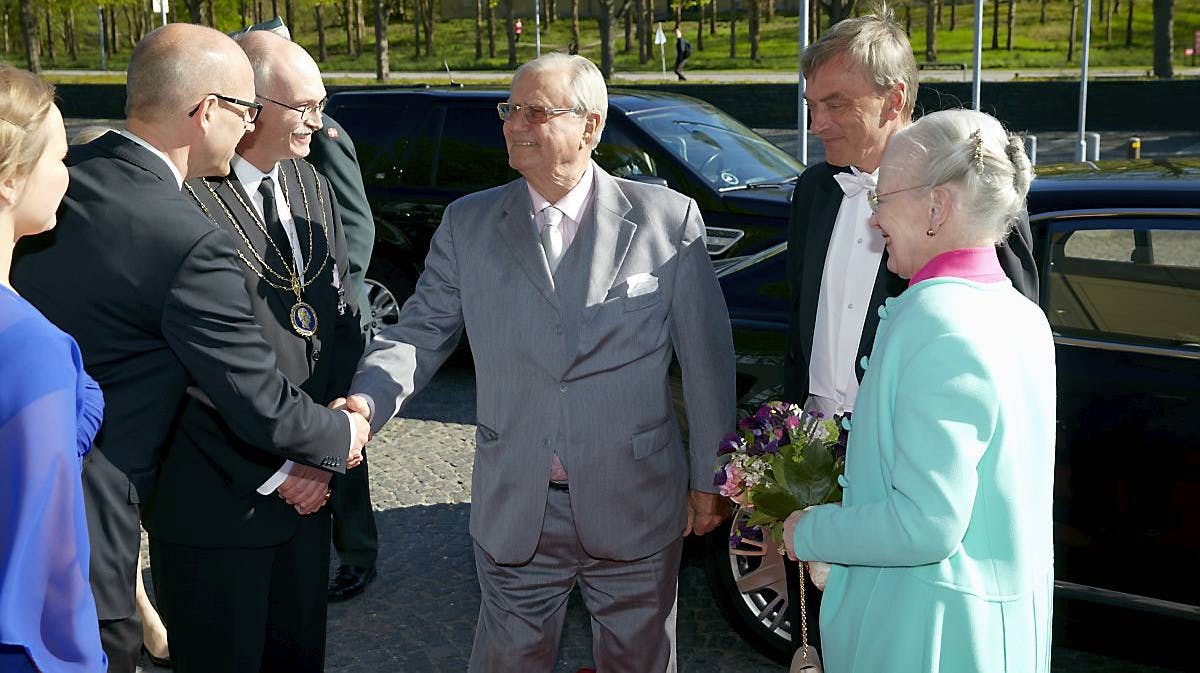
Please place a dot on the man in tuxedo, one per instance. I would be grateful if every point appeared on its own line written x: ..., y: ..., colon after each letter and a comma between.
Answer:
x: 837, y: 264
x: 575, y: 289
x: 154, y: 293
x: 256, y: 562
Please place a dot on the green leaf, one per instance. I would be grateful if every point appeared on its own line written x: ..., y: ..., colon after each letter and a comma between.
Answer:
x: 777, y: 504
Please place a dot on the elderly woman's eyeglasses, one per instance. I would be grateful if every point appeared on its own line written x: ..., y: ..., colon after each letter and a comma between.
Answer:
x: 873, y: 198
x: 304, y: 110
x: 249, y: 115
x: 534, y: 114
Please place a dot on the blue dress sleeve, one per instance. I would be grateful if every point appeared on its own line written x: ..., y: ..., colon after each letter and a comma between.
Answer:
x: 46, y: 604
x: 90, y: 411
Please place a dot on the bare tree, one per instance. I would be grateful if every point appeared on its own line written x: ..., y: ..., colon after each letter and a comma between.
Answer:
x: 360, y: 26
x: 30, y: 28
x: 512, y: 37
x: 930, y: 32
x: 1107, y: 11
x: 50, y: 35
x: 7, y: 28
x: 1071, y: 34
x: 733, y: 12
x: 1043, y: 17
x: 289, y: 13
x: 478, y: 29
x: 995, y: 24
x: 626, y: 14
x: 1129, y: 26
x: 348, y: 20
x: 491, y: 20
x: 953, y: 17
x: 838, y: 9
x: 606, y: 37
x: 575, y: 25
x: 1164, y: 27
x: 712, y: 17
x: 1012, y: 23
x: 700, y: 26
x: 753, y: 26
x: 382, y: 68
x: 322, y: 52
x: 69, y: 37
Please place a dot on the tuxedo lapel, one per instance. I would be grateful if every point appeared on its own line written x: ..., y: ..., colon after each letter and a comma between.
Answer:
x: 518, y: 232
x: 609, y: 238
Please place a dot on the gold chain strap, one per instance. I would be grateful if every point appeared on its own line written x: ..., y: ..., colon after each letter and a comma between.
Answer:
x: 803, y: 612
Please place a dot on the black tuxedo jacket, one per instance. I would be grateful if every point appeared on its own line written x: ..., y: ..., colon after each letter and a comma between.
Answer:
x: 155, y: 295
x: 815, y: 204
x: 207, y: 461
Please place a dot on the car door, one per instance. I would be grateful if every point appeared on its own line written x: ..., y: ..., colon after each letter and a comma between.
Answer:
x: 1122, y: 294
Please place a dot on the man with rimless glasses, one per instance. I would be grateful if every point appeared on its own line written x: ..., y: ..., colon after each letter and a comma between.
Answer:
x: 155, y: 294
x: 576, y: 290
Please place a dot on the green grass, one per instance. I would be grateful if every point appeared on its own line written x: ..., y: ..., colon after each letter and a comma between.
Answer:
x: 1034, y: 45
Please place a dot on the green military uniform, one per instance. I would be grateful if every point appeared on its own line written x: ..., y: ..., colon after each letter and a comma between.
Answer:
x: 354, y: 533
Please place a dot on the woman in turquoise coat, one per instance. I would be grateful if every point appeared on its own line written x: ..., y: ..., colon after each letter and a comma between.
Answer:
x: 942, y: 551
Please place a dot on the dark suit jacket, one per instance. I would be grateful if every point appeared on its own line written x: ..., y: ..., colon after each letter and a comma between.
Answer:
x: 815, y: 204
x: 207, y: 461
x: 154, y: 294
x: 334, y: 156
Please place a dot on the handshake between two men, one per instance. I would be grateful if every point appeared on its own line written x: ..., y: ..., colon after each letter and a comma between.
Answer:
x: 307, y: 488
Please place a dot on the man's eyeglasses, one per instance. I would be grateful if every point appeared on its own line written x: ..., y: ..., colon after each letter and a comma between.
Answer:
x: 250, y: 114
x: 873, y: 198
x: 304, y: 110
x: 534, y: 114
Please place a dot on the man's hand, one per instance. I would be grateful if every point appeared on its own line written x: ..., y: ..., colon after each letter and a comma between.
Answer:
x: 360, y: 415
x: 706, y: 511
x: 306, y: 488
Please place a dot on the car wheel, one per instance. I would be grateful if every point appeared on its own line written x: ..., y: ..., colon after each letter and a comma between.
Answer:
x: 387, y: 289
x: 749, y: 583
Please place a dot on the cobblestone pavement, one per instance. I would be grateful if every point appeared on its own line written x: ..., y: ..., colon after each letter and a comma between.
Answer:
x: 419, y: 616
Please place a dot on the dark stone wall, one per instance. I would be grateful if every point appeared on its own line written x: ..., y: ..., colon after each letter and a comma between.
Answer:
x: 1113, y: 105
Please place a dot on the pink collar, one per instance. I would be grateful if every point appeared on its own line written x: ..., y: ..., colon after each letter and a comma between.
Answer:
x: 978, y: 264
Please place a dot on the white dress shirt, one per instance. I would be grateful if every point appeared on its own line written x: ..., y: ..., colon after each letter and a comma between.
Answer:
x: 851, y: 265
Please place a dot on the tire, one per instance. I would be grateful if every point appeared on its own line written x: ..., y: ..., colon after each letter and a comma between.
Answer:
x: 388, y: 287
x: 749, y: 585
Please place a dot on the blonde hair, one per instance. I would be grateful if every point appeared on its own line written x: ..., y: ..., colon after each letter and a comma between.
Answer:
x: 25, y: 100
x: 875, y: 44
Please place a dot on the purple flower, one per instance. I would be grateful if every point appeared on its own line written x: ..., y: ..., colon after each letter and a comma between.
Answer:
x: 729, y: 444
x: 734, y: 541
x: 719, y: 478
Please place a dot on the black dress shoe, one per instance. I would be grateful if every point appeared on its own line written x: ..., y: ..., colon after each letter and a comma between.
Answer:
x: 349, y: 582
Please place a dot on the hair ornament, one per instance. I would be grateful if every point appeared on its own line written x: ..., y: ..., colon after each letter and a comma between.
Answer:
x: 976, y: 139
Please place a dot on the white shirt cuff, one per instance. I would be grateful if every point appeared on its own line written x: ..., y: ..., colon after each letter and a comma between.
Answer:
x: 276, y: 480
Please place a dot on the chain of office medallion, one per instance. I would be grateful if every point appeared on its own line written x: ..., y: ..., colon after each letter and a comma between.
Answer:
x: 292, y: 283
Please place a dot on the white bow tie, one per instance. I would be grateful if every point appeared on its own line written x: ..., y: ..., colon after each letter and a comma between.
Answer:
x: 855, y: 182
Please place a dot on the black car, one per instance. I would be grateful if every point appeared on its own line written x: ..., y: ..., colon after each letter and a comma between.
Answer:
x: 421, y: 148
x: 1119, y: 251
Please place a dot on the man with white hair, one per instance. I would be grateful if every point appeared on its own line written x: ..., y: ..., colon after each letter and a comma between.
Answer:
x: 264, y: 563
x: 153, y: 292
x: 575, y: 289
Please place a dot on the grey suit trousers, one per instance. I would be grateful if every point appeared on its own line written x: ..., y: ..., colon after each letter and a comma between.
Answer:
x: 521, y: 614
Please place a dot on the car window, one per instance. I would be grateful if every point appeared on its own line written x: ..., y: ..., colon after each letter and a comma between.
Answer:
x: 383, y: 135
x: 716, y: 146
x: 1133, y: 282
x: 620, y: 155
x: 472, y: 154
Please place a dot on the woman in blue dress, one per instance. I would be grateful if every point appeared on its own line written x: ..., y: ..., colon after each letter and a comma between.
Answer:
x: 942, y: 548
x: 50, y: 410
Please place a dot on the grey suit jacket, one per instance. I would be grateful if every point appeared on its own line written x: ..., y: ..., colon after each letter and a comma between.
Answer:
x: 573, y: 365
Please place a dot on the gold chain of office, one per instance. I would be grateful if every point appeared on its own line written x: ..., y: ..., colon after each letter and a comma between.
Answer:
x: 303, y: 318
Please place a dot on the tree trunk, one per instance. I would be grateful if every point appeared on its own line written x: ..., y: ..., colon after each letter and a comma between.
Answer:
x: 512, y: 37
x: 289, y: 11
x: 53, y: 53
x: 575, y: 25
x: 938, y: 5
x: 712, y: 17
x: 1042, y: 19
x: 1129, y: 26
x: 244, y: 11
x: 195, y: 13
x: 1108, y: 15
x: 648, y: 30
x: 274, y: 8
x: 322, y: 52
x: 69, y: 40
x: 954, y: 17
x: 114, y: 31
x: 491, y: 19
x: 430, y: 21
x: 908, y: 20
x: 995, y: 24
x: 348, y: 16
x: 1071, y: 34
x: 131, y: 24
x: 628, y: 29
x: 29, y: 27
x: 7, y: 31
x: 1012, y: 23
x: 755, y: 18
x: 930, y: 32
x: 700, y: 26
x: 640, y: 29
x: 733, y: 7
x: 606, y: 38
x: 478, y: 29
x: 360, y: 26
x: 1164, y: 26
x: 416, y: 19
x: 382, y: 69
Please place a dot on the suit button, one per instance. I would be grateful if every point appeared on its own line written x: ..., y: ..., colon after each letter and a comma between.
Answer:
x: 562, y: 388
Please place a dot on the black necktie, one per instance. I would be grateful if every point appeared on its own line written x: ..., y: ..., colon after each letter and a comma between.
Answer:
x: 283, y: 246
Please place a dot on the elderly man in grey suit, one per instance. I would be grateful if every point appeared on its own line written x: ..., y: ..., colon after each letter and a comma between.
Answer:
x: 574, y: 288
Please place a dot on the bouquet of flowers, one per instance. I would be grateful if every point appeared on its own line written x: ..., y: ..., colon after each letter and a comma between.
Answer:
x: 780, y: 460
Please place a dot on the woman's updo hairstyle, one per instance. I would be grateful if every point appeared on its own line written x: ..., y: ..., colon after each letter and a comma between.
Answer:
x: 972, y: 150
x: 24, y: 104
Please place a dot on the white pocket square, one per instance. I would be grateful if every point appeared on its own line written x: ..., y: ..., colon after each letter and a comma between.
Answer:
x: 640, y: 283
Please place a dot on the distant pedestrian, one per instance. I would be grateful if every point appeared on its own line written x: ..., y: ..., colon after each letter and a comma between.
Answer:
x: 517, y: 28
x: 683, y: 51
